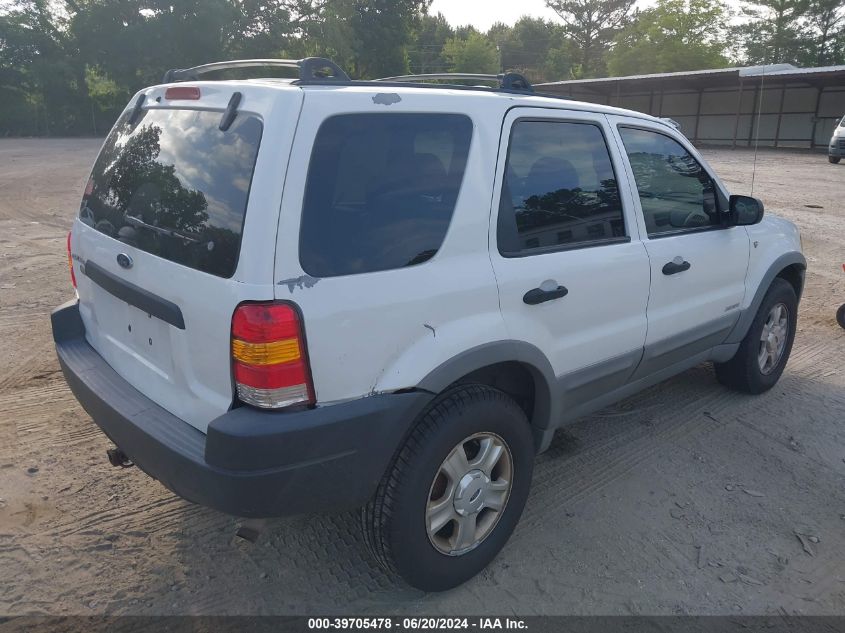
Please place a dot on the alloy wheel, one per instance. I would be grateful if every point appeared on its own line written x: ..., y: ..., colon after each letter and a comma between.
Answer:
x: 773, y: 338
x: 469, y: 494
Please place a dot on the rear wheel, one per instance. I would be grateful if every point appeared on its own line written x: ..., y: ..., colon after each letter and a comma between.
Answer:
x: 456, y: 490
x: 840, y: 316
x: 763, y: 353
x: 833, y: 159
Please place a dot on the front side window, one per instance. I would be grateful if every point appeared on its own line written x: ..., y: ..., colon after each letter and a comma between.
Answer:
x: 676, y: 193
x: 173, y: 184
x: 559, y: 189
x: 381, y: 191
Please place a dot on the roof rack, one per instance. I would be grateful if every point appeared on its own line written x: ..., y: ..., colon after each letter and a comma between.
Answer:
x: 506, y: 81
x: 310, y: 68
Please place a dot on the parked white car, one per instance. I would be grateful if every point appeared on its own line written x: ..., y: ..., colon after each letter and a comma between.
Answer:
x: 836, y: 147
x: 321, y: 294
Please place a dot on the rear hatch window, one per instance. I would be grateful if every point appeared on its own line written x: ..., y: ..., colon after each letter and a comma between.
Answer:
x: 176, y: 186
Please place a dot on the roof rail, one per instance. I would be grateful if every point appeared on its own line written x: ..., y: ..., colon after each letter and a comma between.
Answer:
x: 310, y: 68
x: 507, y: 81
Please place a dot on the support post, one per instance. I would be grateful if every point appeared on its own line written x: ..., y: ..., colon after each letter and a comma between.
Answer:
x: 780, y: 113
x: 697, y: 116
x: 738, y: 113
x: 660, y: 107
x: 816, y: 117
x: 756, y: 111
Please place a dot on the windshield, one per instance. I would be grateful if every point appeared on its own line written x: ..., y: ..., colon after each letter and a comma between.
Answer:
x: 176, y: 186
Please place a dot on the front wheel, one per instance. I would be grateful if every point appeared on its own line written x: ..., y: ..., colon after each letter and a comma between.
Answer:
x: 455, y: 491
x: 840, y: 316
x: 833, y: 159
x: 762, y: 355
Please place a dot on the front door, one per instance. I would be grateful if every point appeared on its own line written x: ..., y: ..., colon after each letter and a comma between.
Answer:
x: 573, y: 275
x: 698, y: 265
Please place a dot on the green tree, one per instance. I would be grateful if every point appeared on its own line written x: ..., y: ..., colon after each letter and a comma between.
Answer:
x: 267, y: 28
x: 134, y: 42
x: 370, y: 36
x: 773, y: 32
x: 592, y: 25
x: 824, y: 32
x: 41, y: 73
x: 474, y: 54
x: 538, y: 48
x: 425, y: 54
x: 560, y: 63
x: 674, y: 35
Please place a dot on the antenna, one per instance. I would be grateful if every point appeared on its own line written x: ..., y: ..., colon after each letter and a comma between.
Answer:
x: 757, y: 133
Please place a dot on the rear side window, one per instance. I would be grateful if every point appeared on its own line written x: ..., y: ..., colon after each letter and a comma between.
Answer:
x: 176, y: 186
x: 381, y: 191
x: 559, y: 189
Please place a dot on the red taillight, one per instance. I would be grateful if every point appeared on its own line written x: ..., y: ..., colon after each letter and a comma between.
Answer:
x: 269, y: 357
x: 70, y: 262
x: 182, y: 92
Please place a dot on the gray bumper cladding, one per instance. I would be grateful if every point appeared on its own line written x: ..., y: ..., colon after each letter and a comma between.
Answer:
x: 251, y: 463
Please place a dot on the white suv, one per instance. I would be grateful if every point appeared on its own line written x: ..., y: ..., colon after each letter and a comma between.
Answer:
x: 322, y: 294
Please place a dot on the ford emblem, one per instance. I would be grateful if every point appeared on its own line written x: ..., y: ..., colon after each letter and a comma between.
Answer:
x: 124, y: 260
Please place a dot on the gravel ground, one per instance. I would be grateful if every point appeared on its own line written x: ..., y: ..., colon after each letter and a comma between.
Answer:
x: 686, y: 499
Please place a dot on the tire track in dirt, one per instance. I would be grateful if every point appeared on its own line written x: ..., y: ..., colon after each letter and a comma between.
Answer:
x: 591, y: 469
x: 560, y: 482
x: 147, y: 515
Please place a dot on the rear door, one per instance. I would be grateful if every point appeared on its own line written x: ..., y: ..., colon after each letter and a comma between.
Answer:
x: 698, y: 266
x: 175, y: 229
x: 573, y: 275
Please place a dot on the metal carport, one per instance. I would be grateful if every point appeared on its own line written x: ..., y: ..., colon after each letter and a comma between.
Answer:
x: 793, y: 107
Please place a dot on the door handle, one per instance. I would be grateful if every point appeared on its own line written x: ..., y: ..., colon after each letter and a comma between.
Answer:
x: 538, y: 295
x: 677, y: 265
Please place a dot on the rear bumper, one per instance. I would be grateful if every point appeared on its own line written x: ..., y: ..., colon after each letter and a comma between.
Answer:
x: 250, y: 463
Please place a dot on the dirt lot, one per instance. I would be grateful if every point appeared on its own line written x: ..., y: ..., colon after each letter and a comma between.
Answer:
x: 684, y: 499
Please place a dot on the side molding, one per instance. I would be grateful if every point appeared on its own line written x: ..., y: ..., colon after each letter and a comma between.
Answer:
x: 675, y: 349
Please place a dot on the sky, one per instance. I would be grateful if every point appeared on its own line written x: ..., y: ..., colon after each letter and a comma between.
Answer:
x: 482, y: 14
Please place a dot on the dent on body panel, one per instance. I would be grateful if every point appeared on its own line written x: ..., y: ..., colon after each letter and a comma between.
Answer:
x: 433, y: 345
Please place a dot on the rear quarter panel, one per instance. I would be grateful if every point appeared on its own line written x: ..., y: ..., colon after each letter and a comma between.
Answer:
x: 384, y: 331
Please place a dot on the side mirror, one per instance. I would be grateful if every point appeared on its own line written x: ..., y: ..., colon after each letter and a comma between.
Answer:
x: 745, y: 211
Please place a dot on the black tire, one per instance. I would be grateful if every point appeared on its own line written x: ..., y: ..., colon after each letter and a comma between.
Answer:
x: 840, y: 316
x: 394, y: 521
x: 834, y: 159
x: 743, y: 371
